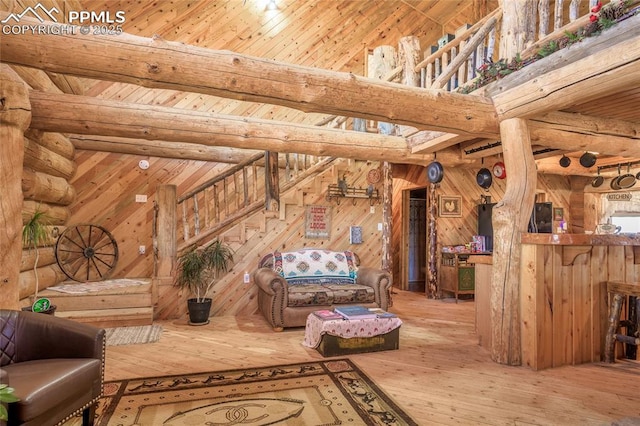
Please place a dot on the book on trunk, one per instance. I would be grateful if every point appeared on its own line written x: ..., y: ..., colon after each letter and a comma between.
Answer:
x: 355, y: 312
x: 326, y: 314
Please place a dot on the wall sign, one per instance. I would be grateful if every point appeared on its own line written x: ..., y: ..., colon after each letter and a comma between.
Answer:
x: 317, y: 222
x: 619, y: 197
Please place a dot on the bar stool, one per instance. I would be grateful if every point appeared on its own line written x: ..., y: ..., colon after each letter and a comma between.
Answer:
x: 619, y: 291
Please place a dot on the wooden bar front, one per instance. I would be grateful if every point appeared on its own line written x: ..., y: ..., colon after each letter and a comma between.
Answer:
x: 563, y: 294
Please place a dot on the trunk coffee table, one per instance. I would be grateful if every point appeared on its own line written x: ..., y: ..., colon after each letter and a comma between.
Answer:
x: 336, y: 337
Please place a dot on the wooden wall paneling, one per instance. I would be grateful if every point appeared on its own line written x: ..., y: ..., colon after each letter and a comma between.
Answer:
x: 530, y: 308
x: 561, y: 323
x: 546, y: 283
x: 582, y: 310
x: 599, y: 273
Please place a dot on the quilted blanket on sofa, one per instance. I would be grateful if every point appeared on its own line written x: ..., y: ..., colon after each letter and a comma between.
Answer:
x: 316, y: 266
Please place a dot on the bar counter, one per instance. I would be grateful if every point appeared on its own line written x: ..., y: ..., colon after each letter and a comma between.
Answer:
x: 582, y: 239
x: 563, y: 295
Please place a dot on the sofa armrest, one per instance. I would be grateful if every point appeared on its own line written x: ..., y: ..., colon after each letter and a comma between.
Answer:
x: 269, y: 281
x: 380, y: 281
x: 272, y: 295
x: 42, y: 336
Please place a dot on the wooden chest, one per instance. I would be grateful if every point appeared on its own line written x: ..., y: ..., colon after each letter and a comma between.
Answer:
x: 337, y: 346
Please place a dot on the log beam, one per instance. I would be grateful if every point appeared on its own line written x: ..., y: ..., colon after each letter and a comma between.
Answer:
x: 162, y: 149
x: 170, y: 65
x: 91, y: 116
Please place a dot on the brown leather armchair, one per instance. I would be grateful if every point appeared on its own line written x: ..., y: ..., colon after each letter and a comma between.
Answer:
x: 55, y: 365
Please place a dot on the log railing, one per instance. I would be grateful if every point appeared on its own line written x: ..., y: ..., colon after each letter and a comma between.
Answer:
x: 457, y: 62
x: 235, y: 193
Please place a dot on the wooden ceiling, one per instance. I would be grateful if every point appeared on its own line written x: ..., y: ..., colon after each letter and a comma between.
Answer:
x: 328, y: 34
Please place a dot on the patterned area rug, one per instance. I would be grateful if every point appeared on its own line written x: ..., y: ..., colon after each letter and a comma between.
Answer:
x: 332, y: 392
x: 133, y: 335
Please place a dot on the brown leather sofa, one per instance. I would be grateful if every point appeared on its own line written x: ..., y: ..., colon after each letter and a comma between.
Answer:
x: 55, y: 365
x: 285, y: 298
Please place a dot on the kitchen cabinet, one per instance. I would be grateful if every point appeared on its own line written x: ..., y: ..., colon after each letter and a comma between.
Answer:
x: 456, y: 274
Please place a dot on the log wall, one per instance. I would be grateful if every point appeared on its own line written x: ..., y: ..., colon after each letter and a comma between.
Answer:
x: 47, y: 167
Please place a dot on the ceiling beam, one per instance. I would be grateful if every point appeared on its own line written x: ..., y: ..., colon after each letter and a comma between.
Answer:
x: 93, y: 116
x: 155, y: 148
x: 164, y: 64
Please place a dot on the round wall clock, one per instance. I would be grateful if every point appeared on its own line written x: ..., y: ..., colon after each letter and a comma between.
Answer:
x: 374, y: 176
x: 499, y: 170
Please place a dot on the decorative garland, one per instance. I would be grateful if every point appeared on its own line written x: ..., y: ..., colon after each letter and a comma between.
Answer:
x: 602, y: 18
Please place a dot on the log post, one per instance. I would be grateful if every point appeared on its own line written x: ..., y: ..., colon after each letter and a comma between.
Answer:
x: 272, y: 182
x: 432, y: 243
x: 387, y: 219
x: 519, y: 20
x: 15, y: 115
x: 408, y: 57
x: 165, y: 243
x: 510, y: 219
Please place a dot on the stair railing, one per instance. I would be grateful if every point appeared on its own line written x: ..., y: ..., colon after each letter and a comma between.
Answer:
x: 234, y: 194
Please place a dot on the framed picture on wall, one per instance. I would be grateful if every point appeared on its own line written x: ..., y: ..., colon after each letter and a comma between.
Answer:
x: 558, y: 214
x: 450, y: 206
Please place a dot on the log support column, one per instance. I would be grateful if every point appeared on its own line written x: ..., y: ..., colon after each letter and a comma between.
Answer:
x: 15, y: 116
x: 165, y: 243
x: 510, y: 219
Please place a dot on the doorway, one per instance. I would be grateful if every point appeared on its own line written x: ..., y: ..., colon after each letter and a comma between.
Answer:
x: 416, y: 254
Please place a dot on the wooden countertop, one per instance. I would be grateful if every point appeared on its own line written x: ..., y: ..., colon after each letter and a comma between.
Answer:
x: 483, y: 259
x: 581, y: 239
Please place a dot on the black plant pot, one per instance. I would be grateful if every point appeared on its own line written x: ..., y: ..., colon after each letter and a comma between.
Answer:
x: 199, y: 311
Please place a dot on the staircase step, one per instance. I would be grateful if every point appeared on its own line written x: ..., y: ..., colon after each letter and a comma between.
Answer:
x: 115, y: 306
x: 125, y: 317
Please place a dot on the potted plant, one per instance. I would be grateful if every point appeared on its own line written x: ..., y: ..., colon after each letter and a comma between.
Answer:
x: 198, y: 270
x: 36, y: 234
x: 6, y: 396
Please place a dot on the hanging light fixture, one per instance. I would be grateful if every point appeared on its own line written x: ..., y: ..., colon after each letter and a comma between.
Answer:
x: 271, y: 5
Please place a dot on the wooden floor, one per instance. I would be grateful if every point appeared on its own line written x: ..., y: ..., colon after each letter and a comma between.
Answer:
x: 439, y: 375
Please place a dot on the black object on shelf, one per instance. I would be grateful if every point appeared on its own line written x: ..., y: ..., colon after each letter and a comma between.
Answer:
x: 541, y: 221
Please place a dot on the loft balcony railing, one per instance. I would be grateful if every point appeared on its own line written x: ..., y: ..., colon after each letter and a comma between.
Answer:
x: 457, y: 62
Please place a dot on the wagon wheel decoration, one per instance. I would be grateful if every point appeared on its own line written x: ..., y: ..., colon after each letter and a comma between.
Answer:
x: 86, y: 253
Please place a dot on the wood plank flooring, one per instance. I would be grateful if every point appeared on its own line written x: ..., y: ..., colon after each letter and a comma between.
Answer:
x: 440, y: 375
